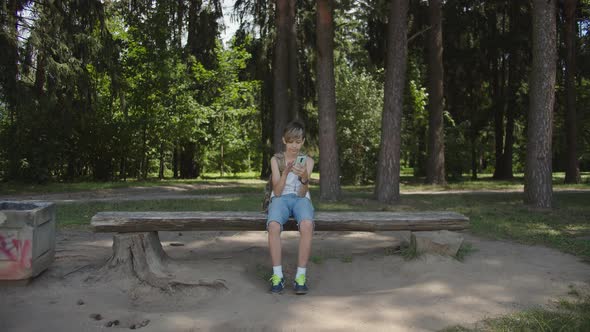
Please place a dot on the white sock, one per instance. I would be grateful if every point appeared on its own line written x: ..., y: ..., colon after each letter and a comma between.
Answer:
x: 300, y: 271
x: 278, y: 270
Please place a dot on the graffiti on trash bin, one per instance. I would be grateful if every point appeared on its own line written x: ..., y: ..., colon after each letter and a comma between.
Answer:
x: 16, y: 251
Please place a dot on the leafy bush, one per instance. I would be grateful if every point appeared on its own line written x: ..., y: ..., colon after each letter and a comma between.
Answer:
x: 359, y: 103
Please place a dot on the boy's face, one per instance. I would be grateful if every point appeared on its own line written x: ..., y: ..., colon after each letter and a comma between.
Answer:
x: 294, y: 145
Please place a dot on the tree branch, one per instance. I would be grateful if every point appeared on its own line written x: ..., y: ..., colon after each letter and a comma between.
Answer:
x: 419, y: 33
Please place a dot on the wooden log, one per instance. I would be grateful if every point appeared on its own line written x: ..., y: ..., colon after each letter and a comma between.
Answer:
x: 123, y: 222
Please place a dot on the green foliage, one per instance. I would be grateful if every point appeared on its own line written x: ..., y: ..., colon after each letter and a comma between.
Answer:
x: 117, y: 90
x: 457, y: 157
x: 359, y: 100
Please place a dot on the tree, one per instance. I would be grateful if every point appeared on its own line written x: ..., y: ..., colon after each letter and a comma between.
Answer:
x: 388, y: 167
x: 293, y: 68
x: 572, y: 170
x: 435, y: 172
x: 281, y: 73
x: 538, y: 179
x: 329, y: 170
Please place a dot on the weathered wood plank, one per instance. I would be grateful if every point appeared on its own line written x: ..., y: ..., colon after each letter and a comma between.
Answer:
x: 124, y: 222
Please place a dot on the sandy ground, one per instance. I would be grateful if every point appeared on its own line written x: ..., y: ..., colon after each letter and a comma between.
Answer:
x: 355, y: 284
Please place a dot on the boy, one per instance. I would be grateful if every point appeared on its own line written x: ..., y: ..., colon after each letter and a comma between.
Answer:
x: 290, y: 197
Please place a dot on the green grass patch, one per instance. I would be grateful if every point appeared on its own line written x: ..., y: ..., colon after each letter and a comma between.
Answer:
x: 465, y: 250
x: 346, y: 259
x: 409, y: 252
x: 316, y: 259
x: 565, y: 315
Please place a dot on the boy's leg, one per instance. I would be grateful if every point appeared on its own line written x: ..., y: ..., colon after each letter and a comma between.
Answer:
x: 303, y: 212
x: 278, y: 214
x: 274, y: 242
x: 306, y: 231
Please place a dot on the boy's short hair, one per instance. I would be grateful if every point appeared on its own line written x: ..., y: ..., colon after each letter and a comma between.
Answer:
x: 294, y: 130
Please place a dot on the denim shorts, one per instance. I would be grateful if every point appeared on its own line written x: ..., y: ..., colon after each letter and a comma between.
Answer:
x: 290, y: 205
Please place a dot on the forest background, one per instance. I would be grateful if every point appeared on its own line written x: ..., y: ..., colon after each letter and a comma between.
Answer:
x: 118, y: 90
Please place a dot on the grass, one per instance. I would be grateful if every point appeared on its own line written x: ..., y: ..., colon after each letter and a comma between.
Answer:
x: 409, y: 252
x: 465, y: 250
x: 564, y: 315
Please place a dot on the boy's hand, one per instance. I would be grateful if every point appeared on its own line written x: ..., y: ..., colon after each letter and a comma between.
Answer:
x: 289, y: 167
x: 300, y: 171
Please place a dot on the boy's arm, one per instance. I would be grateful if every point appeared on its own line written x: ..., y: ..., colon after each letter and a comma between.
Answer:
x: 278, y: 179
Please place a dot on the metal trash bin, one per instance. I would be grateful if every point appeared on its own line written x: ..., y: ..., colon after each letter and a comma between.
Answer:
x: 27, y: 239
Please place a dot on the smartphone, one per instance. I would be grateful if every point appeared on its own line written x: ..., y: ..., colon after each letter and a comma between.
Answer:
x: 300, y: 160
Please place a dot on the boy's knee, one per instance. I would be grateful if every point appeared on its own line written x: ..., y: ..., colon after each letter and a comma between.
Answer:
x: 306, y: 226
x: 274, y: 227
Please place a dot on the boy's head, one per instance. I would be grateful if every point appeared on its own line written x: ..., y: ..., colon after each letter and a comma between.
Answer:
x: 294, y: 131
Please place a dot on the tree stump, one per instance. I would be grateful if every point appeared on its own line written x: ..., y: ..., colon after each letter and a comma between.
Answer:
x: 141, y: 255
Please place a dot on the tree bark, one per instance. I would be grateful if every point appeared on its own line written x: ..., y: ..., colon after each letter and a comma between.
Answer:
x: 538, y: 187
x: 281, y: 74
x: 329, y: 163
x: 293, y: 63
x: 162, y: 164
x: 388, y: 167
x: 436, y: 146
x: 572, y: 170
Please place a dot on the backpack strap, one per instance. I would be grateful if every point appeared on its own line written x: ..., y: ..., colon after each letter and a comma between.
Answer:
x: 280, y: 161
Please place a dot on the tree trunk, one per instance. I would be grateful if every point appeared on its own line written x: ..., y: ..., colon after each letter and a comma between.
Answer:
x: 162, y: 165
x: 572, y: 170
x: 281, y: 74
x: 436, y: 146
x: 141, y: 255
x: 293, y: 70
x: 329, y: 163
x: 388, y: 167
x: 188, y: 165
x: 175, y: 160
x: 266, y: 120
x: 538, y: 188
x: 474, y: 165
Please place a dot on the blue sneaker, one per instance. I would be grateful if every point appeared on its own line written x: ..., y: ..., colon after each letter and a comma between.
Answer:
x: 299, y: 285
x: 277, y: 284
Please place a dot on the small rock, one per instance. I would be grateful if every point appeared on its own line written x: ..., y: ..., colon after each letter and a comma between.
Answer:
x: 437, y: 242
x: 112, y: 323
x: 80, y: 302
x: 179, y: 234
x: 96, y: 316
x: 139, y: 325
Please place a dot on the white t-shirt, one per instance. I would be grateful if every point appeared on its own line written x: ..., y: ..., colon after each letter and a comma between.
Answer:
x: 292, y: 185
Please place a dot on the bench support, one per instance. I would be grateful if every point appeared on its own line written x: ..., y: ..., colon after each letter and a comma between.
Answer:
x: 141, y: 255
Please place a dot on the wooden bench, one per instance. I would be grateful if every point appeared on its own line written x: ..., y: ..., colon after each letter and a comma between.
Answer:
x: 126, y: 222
x: 137, y: 247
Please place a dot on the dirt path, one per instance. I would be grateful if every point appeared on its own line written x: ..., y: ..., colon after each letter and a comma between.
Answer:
x: 355, y: 285
x: 121, y: 194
